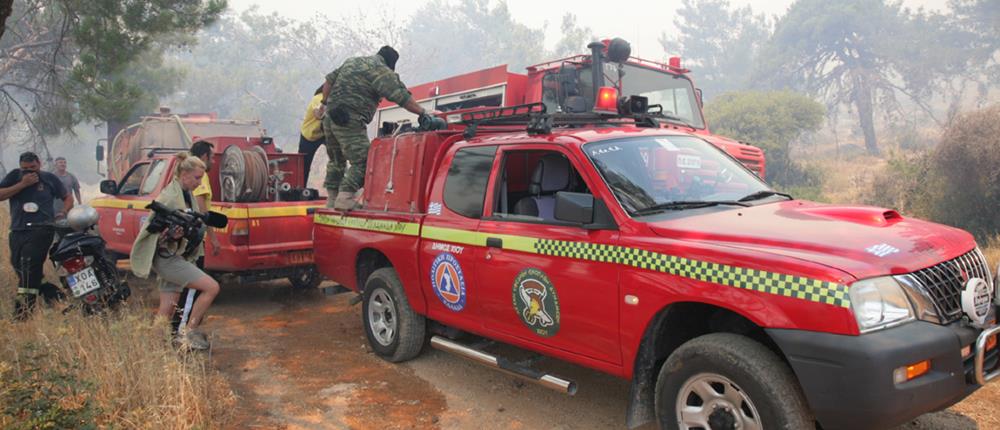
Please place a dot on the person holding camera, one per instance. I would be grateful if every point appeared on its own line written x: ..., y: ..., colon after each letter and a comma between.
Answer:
x: 167, y: 253
x: 32, y: 193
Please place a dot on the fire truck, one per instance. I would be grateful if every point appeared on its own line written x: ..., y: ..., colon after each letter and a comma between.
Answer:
x: 605, y: 239
x: 260, y: 188
x: 565, y: 83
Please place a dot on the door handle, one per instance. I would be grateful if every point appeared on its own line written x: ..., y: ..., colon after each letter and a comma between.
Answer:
x: 494, y: 242
x: 129, y: 206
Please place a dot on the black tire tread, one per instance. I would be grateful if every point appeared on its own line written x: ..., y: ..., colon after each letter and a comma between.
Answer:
x: 412, y: 326
x: 768, y: 371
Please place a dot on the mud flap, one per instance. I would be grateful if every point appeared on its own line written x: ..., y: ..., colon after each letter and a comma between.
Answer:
x: 641, y: 408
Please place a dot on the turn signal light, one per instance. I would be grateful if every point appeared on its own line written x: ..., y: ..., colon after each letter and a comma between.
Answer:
x: 991, y: 342
x: 911, y: 372
x: 607, y: 100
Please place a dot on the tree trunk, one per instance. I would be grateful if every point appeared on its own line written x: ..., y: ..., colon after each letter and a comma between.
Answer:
x: 863, y: 101
x: 6, y: 8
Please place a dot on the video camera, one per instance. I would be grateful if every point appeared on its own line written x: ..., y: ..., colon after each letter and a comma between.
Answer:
x: 191, y: 223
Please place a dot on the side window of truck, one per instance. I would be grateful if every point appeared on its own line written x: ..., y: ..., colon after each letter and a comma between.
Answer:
x: 468, y: 176
x: 528, y: 183
x: 153, y: 178
x: 130, y: 185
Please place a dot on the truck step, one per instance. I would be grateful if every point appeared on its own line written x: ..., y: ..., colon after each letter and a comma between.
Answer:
x: 532, y: 375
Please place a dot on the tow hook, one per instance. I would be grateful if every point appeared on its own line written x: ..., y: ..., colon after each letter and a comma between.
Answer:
x: 981, y: 377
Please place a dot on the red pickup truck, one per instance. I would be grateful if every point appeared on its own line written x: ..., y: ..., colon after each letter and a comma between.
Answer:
x: 264, y: 239
x: 652, y: 255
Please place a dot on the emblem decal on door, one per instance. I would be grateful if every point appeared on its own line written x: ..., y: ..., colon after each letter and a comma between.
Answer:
x: 536, y: 302
x: 448, y: 281
x: 118, y: 218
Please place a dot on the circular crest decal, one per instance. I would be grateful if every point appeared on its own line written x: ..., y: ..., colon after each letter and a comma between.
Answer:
x: 448, y: 281
x: 536, y: 302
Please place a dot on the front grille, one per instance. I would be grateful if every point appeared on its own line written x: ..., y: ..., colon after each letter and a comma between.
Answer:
x: 943, y: 283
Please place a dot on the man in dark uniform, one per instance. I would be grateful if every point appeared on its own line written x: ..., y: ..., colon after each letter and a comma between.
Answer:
x: 31, y: 193
x: 351, y: 94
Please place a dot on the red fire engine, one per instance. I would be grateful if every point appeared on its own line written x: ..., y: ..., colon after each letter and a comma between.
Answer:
x: 607, y: 240
x: 561, y: 83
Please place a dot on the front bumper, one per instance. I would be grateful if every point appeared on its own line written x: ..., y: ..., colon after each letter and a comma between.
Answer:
x: 848, y: 380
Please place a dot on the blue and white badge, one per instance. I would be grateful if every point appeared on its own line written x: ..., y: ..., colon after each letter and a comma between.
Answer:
x: 448, y: 281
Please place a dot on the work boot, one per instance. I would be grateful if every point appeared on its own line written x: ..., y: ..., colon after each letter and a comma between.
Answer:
x: 192, y: 340
x: 345, y: 201
x: 331, y: 196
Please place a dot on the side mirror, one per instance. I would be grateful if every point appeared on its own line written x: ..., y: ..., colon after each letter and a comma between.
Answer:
x: 698, y: 97
x: 99, y: 153
x: 109, y: 187
x: 583, y: 209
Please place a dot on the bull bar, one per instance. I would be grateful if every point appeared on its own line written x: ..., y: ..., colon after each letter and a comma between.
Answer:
x: 981, y: 377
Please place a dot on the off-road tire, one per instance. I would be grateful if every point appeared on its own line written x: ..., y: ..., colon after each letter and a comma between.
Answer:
x: 307, y: 278
x: 410, y: 328
x: 761, y: 375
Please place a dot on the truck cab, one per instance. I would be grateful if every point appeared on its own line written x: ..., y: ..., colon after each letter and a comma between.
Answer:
x: 265, y: 239
x: 648, y: 253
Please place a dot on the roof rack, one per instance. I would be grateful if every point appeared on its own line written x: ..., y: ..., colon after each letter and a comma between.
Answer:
x: 537, y: 121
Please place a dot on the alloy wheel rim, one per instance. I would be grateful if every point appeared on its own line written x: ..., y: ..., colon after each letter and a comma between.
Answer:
x: 382, y: 317
x: 712, y: 401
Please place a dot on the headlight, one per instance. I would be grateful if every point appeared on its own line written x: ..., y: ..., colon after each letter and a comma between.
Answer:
x: 879, y: 303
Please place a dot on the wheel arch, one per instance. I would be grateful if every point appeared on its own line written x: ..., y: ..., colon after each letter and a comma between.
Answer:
x: 669, y: 329
x: 369, y: 259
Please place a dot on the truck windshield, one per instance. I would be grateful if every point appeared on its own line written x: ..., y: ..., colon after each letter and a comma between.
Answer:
x: 674, y: 93
x: 653, y: 174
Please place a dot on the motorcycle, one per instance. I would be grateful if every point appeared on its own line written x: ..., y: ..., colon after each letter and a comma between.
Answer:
x: 82, y: 262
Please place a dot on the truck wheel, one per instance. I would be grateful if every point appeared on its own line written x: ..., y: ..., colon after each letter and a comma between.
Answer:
x: 728, y: 381
x: 394, y: 330
x: 306, y: 278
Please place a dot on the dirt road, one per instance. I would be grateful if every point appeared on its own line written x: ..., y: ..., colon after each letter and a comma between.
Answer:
x: 299, y: 360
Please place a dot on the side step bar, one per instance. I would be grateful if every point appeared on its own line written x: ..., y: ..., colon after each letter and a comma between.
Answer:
x: 543, y: 379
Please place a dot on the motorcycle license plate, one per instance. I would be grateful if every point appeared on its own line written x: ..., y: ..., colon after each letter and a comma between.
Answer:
x: 83, y: 282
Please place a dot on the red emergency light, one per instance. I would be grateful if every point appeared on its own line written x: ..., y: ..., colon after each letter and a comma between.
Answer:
x: 607, y: 100
x: 675, y: 62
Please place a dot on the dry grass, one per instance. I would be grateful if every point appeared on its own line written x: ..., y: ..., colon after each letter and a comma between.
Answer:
x: 121, y: 366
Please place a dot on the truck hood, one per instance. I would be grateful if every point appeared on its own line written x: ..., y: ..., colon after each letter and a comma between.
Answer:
x: 862, y: 241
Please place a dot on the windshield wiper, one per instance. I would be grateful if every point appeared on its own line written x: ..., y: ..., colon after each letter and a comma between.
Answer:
x: 763, y: 194
x: 685, y: 204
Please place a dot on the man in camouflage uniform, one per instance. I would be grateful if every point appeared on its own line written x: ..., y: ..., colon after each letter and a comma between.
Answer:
x: 351, y: 94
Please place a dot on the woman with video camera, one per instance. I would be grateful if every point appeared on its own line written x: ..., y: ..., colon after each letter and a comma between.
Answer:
x: 167, y: 253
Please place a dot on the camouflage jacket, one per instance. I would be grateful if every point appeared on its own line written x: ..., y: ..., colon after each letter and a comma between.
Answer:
x: 360, y: 83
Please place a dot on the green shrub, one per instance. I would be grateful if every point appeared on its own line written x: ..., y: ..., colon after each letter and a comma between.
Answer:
x: 771, y: 120
x: 966, y: 173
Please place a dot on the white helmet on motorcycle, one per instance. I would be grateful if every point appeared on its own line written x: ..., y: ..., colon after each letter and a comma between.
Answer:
x: 82, y: 217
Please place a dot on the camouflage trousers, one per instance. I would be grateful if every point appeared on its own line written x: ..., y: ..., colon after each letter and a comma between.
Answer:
x: 345, y: 144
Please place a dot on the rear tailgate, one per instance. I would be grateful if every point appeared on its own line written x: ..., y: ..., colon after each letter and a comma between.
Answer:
x: 266, y: 235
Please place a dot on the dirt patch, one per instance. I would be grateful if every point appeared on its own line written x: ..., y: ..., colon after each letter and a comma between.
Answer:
x: 299, y: 360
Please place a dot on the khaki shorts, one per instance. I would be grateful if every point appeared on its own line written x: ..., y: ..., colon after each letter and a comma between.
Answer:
x: 175, y: 273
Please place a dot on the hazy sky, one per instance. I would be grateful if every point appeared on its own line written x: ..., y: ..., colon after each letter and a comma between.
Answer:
x: 639, y: 21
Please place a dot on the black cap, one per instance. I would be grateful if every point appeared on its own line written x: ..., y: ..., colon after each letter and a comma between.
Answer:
x: 389, y: 55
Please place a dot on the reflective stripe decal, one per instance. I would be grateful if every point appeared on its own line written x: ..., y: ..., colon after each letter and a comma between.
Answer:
x: 369, y: 224
x: 780, y: 284
x: 31, y: 291
x: 797, y: 287
x: 230, y: 212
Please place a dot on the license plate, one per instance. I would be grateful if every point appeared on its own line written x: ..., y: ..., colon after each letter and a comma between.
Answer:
x: 83, y: 282
x: 300, y: 258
